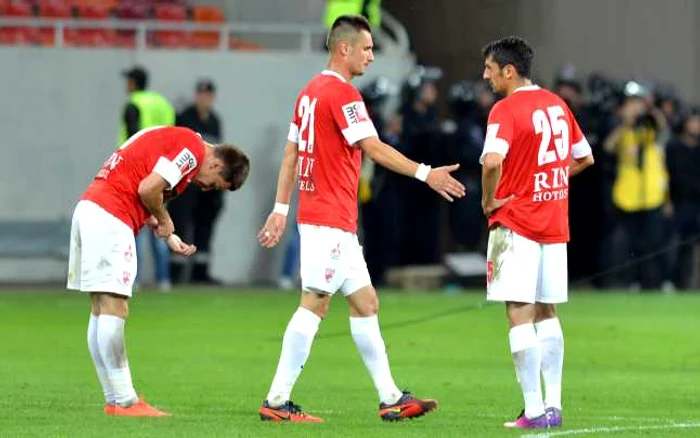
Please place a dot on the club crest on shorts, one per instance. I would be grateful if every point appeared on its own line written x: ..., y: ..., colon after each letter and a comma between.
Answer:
x: 335, y: 252
x: 128, y: 254
x: 489, y: 271
x: 126, y: 277
x: 329, y: 274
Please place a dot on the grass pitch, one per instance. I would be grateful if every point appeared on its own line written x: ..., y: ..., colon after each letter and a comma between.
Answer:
x: 632, y: 365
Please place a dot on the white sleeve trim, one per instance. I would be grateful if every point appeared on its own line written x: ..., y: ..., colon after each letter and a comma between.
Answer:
x: 581, y: 149
x: 293, y: 135
x: 494, y: 145
x: 168, y: 170
x: 359, y: 131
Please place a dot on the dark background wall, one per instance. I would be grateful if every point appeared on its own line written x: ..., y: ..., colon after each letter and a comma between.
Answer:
x: 643, y: 38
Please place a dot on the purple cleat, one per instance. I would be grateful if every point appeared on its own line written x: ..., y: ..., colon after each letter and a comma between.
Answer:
x: 522, y: 422
x: 554, y: 417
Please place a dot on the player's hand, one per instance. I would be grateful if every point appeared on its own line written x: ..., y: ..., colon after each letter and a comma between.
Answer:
x: 270, y: 234
x: 490, y: 207
x: 152, y: 222
x: 440, y: 180
x: 179, y: 247
x: 164, y: 229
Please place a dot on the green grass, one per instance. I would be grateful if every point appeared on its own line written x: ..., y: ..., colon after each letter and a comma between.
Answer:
x: 209, y: 356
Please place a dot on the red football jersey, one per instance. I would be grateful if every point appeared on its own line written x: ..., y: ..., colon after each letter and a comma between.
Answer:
x: 329, y: 119
x: 174, y: 153
x: 537, y: 134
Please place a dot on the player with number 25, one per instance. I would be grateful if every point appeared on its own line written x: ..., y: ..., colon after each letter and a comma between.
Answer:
x: 533, y: 145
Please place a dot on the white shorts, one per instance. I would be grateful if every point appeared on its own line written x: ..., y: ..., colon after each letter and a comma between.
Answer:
x: 331, y: 259
x: 102, y: 252
x: 524, y: 271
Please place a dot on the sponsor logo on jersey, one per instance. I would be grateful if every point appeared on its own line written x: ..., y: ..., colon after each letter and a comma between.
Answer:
x: 355, y: 112
x: 185, y: 161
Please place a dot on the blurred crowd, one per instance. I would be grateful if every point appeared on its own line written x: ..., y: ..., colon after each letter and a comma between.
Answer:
x: 634, y: 216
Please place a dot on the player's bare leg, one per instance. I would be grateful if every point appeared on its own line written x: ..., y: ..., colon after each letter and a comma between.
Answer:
x: 526, y: 353
x: 394, y: 404
x: 551, y: 338
x: 113, y: 311
x: 296, y: 347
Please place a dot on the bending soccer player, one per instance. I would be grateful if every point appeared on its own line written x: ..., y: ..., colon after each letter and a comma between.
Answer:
x: 533, y: 145
x: 329, y: 132
x: 128, y: 193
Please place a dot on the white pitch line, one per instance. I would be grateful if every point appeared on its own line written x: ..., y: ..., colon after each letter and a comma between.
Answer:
x: 606, y: 429
x: 598, y: 418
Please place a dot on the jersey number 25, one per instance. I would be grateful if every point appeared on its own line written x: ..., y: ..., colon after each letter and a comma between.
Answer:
x: 551, y: 124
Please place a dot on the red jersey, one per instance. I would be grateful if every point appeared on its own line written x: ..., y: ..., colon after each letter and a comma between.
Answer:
x: 174, y: 153
x: 329, y: 119
x: 537, y: 134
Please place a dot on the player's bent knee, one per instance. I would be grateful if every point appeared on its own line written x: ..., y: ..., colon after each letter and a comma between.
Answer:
x: 316, y: 302
x: 545, y: 311
x: 364, y: 302
x: 520, y: 313
x: 111, y: 304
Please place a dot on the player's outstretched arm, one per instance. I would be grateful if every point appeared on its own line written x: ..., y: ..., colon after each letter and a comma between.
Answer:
x: 439, y: 179
x: 272, y: 231
x: 151, y: 191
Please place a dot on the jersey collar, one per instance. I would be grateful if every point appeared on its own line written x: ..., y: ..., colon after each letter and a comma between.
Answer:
x: 332, y: 73
x: 527, y: 88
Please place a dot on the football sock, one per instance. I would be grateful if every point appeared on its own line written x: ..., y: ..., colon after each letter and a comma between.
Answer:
x: 525, y: 350
x: 551, y: 340
x: 296, y: 346
x: 368, y: 338
x: 97, y: 360
x: 110, y: 342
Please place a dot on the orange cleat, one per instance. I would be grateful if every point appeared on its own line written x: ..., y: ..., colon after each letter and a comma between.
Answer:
x: 138, y: 409
x: 109, y: 409
x: 287, y: 412
x: 406, y: 407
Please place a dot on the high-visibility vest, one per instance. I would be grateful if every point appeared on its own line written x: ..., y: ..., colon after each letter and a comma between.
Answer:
x: 154, y: 110
x: 336, y: 8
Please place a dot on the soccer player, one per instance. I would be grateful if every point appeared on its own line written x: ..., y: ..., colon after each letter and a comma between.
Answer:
x: 533, y: 145
x: 128, y: 193
x: 329, y: 132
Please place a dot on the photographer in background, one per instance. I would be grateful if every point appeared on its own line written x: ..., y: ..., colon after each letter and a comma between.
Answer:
x: 640, y: 189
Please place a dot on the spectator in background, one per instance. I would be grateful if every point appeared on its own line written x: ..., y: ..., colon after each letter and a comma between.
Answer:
x: 195, y: 212
x: 683, y: 158
x: 640, y: 188
x: 146, y: 109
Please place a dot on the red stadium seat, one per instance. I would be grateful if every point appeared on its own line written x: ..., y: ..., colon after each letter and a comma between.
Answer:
x: 235, y: 43
x: 56, y: 9
x: 19, y: 35
x: 19, y: 9
x: 130, y: 11
x: 207, y: 15
x: 92, y: 37
x: 170, y: 38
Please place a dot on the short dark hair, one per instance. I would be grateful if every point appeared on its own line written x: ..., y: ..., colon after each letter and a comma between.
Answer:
x: 346, y: 26
x: 236, y: 165
x: 511, y: 50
